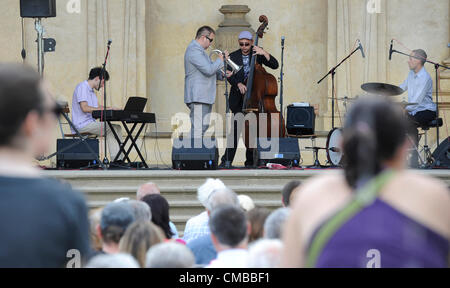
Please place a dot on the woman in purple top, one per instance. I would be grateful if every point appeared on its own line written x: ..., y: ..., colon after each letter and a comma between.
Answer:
x: 375, y: 213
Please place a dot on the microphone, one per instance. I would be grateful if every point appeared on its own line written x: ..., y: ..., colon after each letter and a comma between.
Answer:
x: 390, y: 50
x: 282, y: 41
x: 362, y: 49
x: 109, y: 42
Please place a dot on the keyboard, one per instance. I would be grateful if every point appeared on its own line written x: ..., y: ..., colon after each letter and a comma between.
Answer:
x: 127, y: 116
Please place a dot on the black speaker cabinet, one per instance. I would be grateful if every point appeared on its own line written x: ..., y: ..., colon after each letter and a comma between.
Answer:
x: 284, y: 151
x: 37, y: 8
x: 195, y: 154
x: 442, y: 155
x: 300, y: 120
x: 73, y: 153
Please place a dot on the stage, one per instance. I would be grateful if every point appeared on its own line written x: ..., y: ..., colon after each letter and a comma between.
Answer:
x: 180, y: 187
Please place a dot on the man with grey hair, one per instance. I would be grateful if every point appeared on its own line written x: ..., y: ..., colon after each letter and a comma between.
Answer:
x: 420, y: 91
x: 197, y: 226
x: 141, y: 210
x: 265, y: 253
x: 119, y: 260
x: 275, y: 222
x: 203, y: 247
x: 169, y: 255
x: 201, y: 74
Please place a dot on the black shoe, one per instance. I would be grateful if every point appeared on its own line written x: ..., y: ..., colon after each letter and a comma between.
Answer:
x: 224, y: 166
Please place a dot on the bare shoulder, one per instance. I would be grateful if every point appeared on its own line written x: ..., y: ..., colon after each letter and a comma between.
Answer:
x: 422, y: 198
x: 317, y: 199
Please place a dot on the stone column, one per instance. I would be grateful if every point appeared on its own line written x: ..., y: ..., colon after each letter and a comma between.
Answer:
x: 227, y: 39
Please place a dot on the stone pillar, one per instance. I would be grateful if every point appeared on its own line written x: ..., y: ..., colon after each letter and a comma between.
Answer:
x: 227, y: 39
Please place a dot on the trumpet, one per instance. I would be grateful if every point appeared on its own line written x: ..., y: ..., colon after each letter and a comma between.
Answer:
x: 230, y: 63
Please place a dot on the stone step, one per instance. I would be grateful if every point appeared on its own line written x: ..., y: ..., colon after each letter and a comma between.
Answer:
x: 259, y: 192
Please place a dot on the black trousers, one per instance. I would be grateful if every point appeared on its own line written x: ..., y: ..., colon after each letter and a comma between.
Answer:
x: 421, y: 119
x: 230, y: 152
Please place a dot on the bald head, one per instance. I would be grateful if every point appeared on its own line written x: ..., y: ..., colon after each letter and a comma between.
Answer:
x: 147, y: 189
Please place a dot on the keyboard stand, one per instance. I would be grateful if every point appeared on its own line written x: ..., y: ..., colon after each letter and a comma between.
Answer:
x: 129, y: 138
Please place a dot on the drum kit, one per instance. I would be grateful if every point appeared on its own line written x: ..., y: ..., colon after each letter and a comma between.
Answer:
x: 334, y: 149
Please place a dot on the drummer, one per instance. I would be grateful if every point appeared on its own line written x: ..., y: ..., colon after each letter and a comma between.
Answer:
x: 420, y: 91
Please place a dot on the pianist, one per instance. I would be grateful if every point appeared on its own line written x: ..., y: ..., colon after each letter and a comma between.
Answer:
x: 84, y: 102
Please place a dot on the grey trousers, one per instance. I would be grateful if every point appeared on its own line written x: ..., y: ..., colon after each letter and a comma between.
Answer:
x: 96, y: 128
x: 200, y: 118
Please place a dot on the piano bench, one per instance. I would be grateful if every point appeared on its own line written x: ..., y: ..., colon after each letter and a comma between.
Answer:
x: 84, y: 135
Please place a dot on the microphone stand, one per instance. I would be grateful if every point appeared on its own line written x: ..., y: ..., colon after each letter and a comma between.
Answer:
x: 436, y: 67
x: 103, y: 116
x: 225, y: 68
x: 281, y: 80
x: 333, y: 72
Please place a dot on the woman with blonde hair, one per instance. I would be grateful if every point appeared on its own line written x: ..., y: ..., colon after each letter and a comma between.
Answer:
x: 138, y: 238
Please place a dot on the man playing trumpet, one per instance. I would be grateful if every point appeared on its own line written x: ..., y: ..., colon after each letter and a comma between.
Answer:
x: 200, y: 80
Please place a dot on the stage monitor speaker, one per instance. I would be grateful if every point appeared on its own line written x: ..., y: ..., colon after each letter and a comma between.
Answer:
x: 286, y: 152
x: 73, y: 153
x: 300, y: 120
x: 441, y: 155
x: 195, y: 154
x: 37, y: 8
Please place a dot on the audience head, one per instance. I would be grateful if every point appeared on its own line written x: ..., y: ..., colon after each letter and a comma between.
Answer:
x: 246, y: 203
x: 141, y: 210
x: 265, y: 253
x: 275, y: 222
x: 257, y: 217
x: 27, y: 111
x: 95, y: 216
x: 223, y: 196
x: 115, y: 219
x: 160, y: 212
x: 139, y: 237
x: 170, y: 255
x: 118, y: 260
x: 207, y: 188
x: 229, y: 227
x: 374, y: 138
x: 147, y: 189
x: 288, y: 192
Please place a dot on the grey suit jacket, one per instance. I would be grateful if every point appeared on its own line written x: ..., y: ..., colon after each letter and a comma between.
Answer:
x: 200, y: 75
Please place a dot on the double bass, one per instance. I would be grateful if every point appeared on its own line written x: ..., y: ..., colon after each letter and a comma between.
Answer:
x: 262, y: 89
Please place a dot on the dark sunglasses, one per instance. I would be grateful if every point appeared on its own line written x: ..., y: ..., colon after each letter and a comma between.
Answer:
x: 56, y: 110
x: 210, y: 40
x: 244, y: 44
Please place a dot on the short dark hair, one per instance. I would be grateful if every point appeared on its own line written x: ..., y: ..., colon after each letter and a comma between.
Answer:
x: 20, y: 93
x: 160, y: 212
x: 421, y: 54
x: 287, y: 191
x: 204, y: 31
x: 228, y: 223
x: 97, y: 72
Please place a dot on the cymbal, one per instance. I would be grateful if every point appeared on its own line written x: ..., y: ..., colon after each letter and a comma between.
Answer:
x: 382, y: 89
